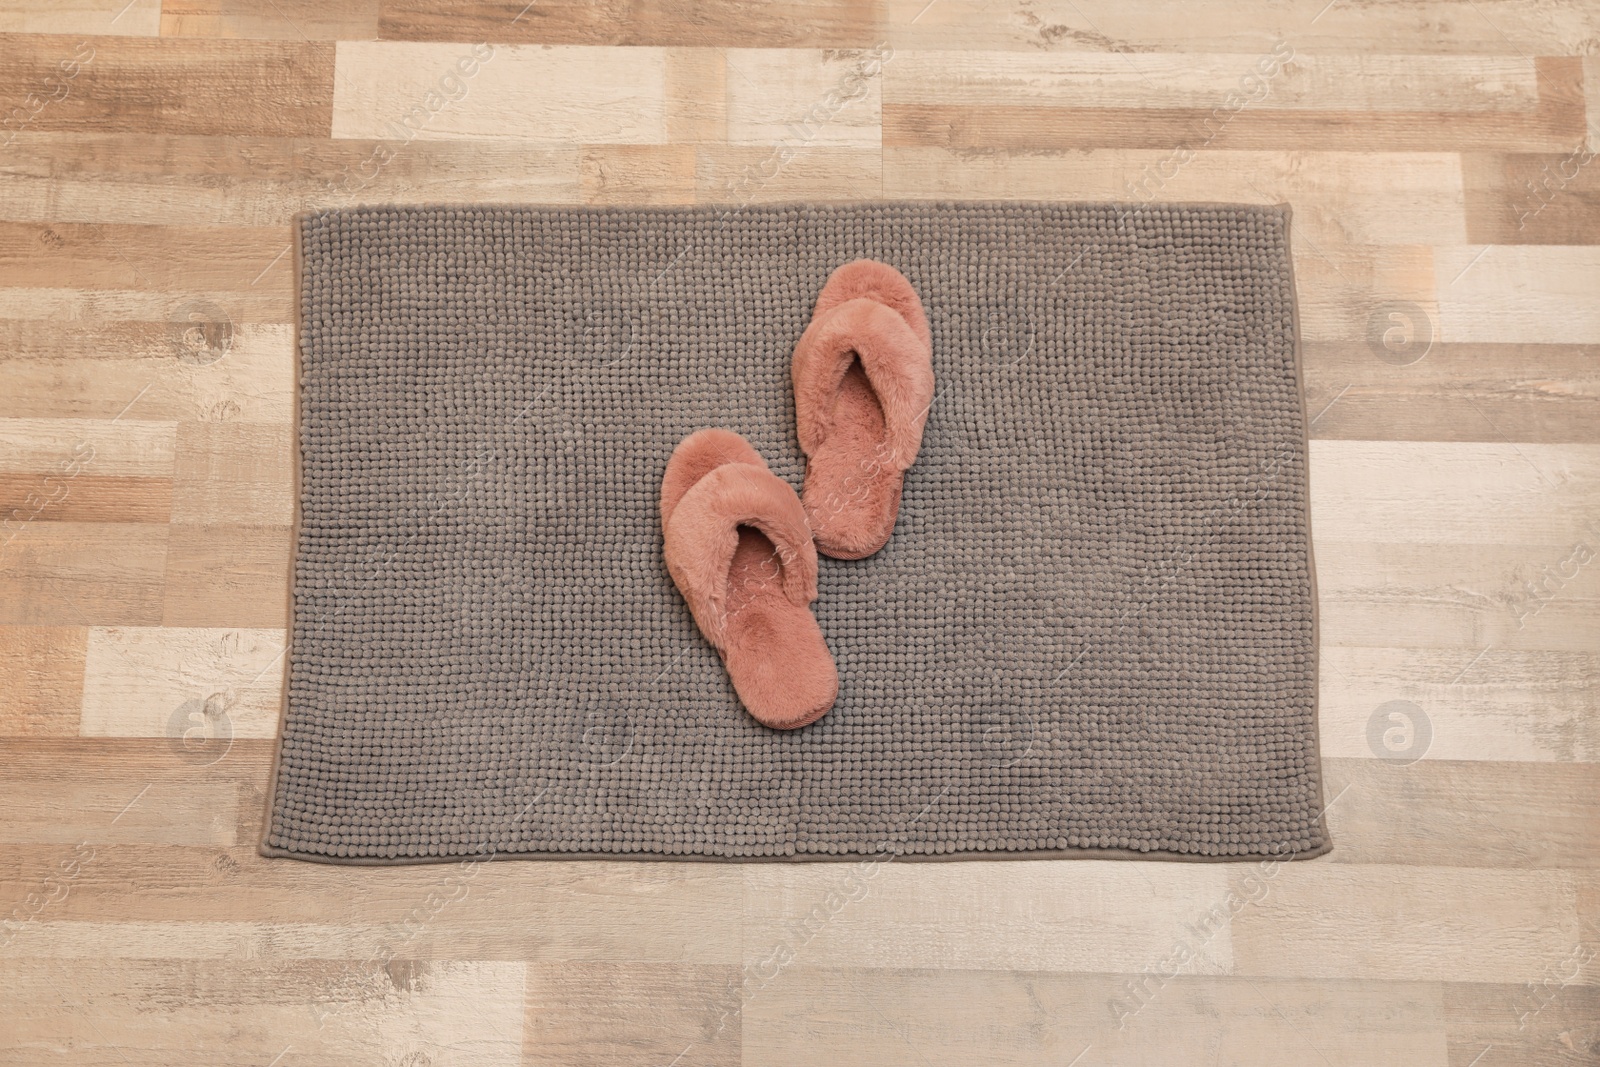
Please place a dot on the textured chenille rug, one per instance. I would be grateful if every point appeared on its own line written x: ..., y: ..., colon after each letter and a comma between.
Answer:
x: 1092, y: 634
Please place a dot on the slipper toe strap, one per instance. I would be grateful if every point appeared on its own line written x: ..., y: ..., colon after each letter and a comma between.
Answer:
x: 703, y: 534
x: 897, y: 364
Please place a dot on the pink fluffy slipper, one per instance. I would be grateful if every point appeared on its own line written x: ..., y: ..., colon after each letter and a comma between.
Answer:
x: 863, y: 383
x: 740, y: 551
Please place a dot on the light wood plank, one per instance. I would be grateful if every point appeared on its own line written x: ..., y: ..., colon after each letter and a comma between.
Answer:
x: 1547, y: 294
x: 91, y: 370
x: 846, y: 1016
x: 69, y: 448
x: 1541, y: 1024
x: 252, y: 181
x: 638, y: 174
x: 1429, y: 27
x: 696, y: 95
x: 86, y: 498
x: 1342, y: 287
x: 561, y: 95
x: 1591, y: 86
x: 165, y: 809
x: 1532, y: 199
x: 130, y: 18
x: 1230, y: 123
x: 1017, y: 915
x: 1468, y: 598
x: 166, y: 681
x: 1504, y: 814
x: 234, y: 473
x: 1490, y: 493
x: 173, y: 259
x: 802, y: 98
x: 67, y: 303
x: 1489, y: 703
x: 646, y: 912
x: 759, y: 174
x: 630, y: 1013
x: 1407, y: 923
x: 1276, y: 78
x: 1339, y: 198
x: 241, y: 1012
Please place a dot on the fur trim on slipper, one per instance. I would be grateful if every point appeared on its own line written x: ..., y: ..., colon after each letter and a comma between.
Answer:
x: 739, y: 549
x: 863, y: 386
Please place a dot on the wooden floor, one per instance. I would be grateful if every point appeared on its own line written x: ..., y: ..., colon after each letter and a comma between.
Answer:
x: 1447, y: 240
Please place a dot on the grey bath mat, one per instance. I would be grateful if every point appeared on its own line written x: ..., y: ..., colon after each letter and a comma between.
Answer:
x: 1093, y: 632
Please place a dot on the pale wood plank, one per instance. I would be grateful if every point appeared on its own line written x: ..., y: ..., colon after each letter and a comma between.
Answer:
x: 174, y: 259
x: 849, y: 1016
x: 1342, y: 287
x: 1501, y: 814
x: 41, y: 673
x: 1433, y: 27
x: 66, y: 303
x: 1554, y: 126
x: 86, y: 370
x: 1532, y: 199
x: 582, y: 1013
x: 433, y: 923
x: 803, y: 98
x: 1484, y: 703
x: 67, y: 448
x: 1406, y: 923
x: 86, y: 498
x: 1547, y: 294
x: 696, y: 92
x: 129, y: 18
x: 562, y: 94
x: 1456, y: 596
x: 1275, y: 79
x: 168, y: 807
x: 236, y: 1013
x: 1361, y: 198
x: 151, y: 681
x: 1540, y: 1024
x: 550, y: 910
x: 1073, y: 915
x: 756, y: 174
x: 1421, y: 492
x: 47, y: 939
x: 638, y: 174
x: 233, y: 473
x: 1591, y: 87
x: 94, y: 759
x: 253, y: 181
